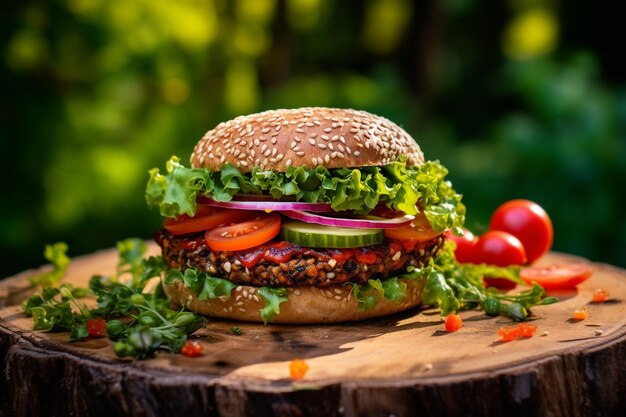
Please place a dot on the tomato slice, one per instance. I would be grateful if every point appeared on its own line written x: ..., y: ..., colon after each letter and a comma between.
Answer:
x: 419, y: 230
x: 206, y: 217
x: 555, y: 277
x: 244, y: 235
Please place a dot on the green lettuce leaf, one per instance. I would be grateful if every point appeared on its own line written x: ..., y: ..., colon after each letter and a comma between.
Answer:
x: 272, y: 298
x: 396, y: 185
x: 175, y: 193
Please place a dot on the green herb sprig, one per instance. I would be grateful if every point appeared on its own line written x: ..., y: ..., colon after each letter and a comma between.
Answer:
x: 139, y: 322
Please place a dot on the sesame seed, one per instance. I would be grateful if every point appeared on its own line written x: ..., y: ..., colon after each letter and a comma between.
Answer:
x: 317, y: 122
x: 274, y: 141
x: 309, y: 124
x: 333, y: 155
x: 222, y: 159
x: 396, y: 256
x: 311, y: 141
x: 265, y: 130
x: 357, y: 153
x: 288, y: 163
x: 337, y: 297
x: 241, y: 310
x: 328, y: 130
x: 313, y: 135
x: 236, y: 141
x: 332, y: 264
x: 244, y: 163
x: 325, y: 137
x: 297, y: 139
x: 227, y: 267
x: 299, y: 130
x: 327, y: 158
x: 314, y: 161
x: 267, y: 152
x: 321, y: 146
x: 331, y: 147
x: 300, y: 153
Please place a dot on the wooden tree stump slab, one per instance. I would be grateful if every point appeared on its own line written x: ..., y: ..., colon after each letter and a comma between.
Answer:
x: 401, y: 365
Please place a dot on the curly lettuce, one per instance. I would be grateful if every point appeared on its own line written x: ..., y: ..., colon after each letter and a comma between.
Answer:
x: 408, y: 189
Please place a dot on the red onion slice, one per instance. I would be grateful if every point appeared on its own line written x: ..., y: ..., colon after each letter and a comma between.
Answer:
x: 354, y: 223
x: 272, y: 205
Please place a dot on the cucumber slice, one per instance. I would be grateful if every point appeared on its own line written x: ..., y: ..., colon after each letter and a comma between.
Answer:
x: 318, y: 236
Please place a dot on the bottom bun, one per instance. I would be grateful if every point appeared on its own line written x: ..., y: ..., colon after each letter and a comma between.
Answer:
x: 305, y: 305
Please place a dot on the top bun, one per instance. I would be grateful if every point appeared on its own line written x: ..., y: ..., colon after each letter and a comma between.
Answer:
x: 277, y: 139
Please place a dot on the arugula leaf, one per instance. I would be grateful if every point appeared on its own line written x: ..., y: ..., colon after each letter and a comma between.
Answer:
x: 56, y: 254
x: 398, y: 186
x: 272, y: 298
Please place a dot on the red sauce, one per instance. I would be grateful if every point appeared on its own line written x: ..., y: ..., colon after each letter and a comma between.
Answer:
x: 365, y: 255
x: 280, y: 252
x: 341, y: 255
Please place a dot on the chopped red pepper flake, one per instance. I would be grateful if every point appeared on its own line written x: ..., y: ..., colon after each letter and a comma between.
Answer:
x: 518, y: 331
x: 297, y: 369
x: 600, y: 296
x: 97, y: 327
x: 191, y: 349
x: 453, y: 323
x: 580, y: 313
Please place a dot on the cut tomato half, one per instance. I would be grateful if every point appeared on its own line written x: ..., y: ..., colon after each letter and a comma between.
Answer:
x: 244, y: 235
x: 206, y: 218
x: 556, y: 277
x: 419, y: 230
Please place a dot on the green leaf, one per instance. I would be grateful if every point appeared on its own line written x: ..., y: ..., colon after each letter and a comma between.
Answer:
x: 175, y: 193
x: 41, y: 321
x: 214, y: 287
x: 272, y: 297
x: 364, y: 296
x: 79, y: 332
x: 56, y: 254
x: 437, y: 292
x: 394, y: 289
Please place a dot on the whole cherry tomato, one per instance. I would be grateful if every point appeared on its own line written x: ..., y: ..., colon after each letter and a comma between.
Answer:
x: 527, y: 221
x: 500, y: 249
x: 465, y: 245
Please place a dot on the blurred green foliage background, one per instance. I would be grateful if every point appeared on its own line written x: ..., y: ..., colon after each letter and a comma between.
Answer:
x: 522, y: 98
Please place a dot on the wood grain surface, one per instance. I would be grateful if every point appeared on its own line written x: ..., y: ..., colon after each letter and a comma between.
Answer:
x: 401, y: 365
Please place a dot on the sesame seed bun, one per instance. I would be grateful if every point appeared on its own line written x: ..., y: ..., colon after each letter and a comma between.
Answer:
x: 305, y: 305
x: 311, y: 136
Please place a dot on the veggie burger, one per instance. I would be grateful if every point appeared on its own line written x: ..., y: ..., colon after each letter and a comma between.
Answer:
x: 309, y: 215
